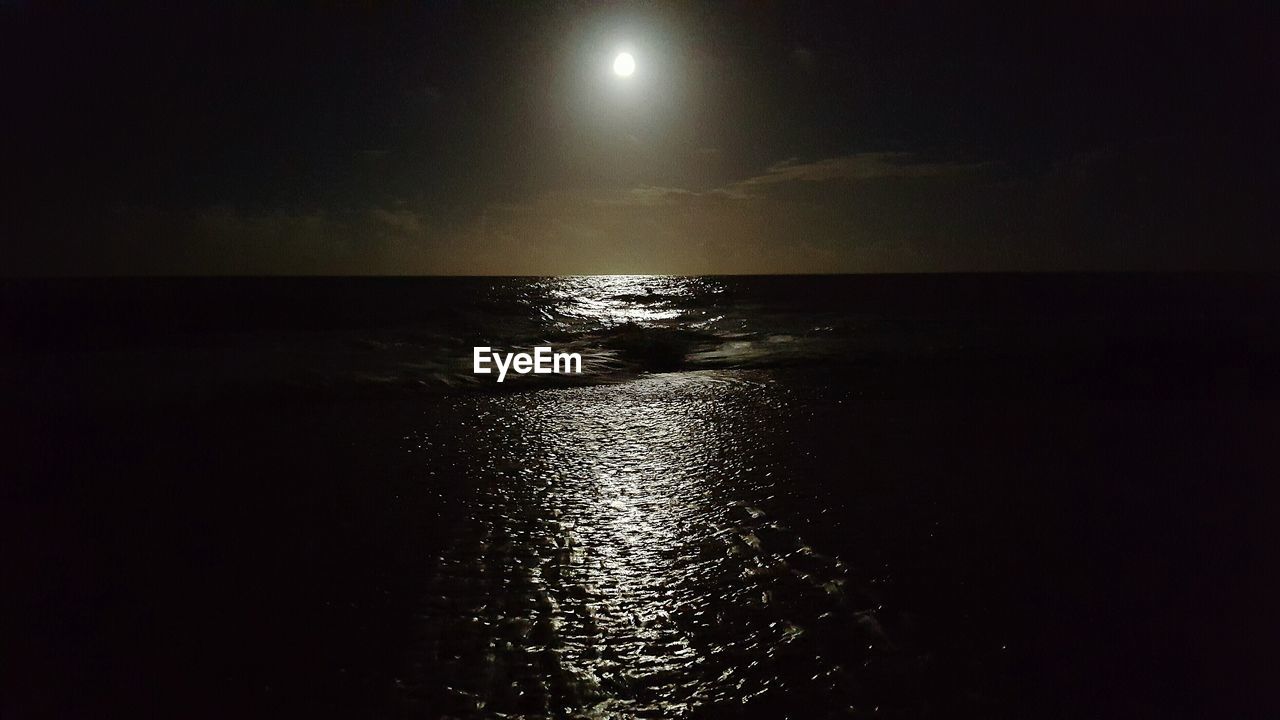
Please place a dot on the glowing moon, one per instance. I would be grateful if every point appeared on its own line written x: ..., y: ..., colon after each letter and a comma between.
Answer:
x: 624, y: 65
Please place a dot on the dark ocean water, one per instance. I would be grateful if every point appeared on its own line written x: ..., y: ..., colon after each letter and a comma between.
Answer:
x: 889, y: 496
x: 419, y: 333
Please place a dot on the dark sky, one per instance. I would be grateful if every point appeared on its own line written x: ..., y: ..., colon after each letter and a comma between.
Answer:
x: 493, y: 138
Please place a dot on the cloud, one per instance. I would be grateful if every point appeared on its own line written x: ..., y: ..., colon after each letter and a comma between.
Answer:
x: 1110, y: 208
x: 399, y: 221
x: 223, y: 240
x: 864, y: 166
x: 646, y: 196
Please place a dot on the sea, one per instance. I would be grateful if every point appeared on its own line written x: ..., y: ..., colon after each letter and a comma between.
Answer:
x: 1012, y: 495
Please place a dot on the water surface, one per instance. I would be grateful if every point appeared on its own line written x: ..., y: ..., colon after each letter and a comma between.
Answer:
x: 961, y: 496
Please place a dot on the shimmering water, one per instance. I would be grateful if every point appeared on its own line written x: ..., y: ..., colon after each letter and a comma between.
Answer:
x: 621, y: 561
x: 973, y: 496
x: 170, y: 336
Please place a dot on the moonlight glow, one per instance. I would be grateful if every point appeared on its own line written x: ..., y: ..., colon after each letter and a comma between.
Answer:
x: 624, y: 65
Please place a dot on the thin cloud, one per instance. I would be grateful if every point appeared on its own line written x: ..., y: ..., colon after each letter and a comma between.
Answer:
x: 863, y: 166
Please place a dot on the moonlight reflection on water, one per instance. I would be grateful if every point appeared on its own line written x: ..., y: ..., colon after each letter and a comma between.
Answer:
x: 619, y: 558
x: 611, y: 300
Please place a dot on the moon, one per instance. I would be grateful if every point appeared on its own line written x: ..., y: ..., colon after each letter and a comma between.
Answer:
x: 624, y: 65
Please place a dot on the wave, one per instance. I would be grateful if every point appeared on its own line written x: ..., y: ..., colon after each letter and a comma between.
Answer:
x: 409, y: 334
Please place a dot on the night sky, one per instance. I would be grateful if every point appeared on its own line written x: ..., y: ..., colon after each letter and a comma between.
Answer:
x: 495, y: 138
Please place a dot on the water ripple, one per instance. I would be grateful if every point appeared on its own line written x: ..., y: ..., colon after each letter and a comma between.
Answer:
x: 621, y: 558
